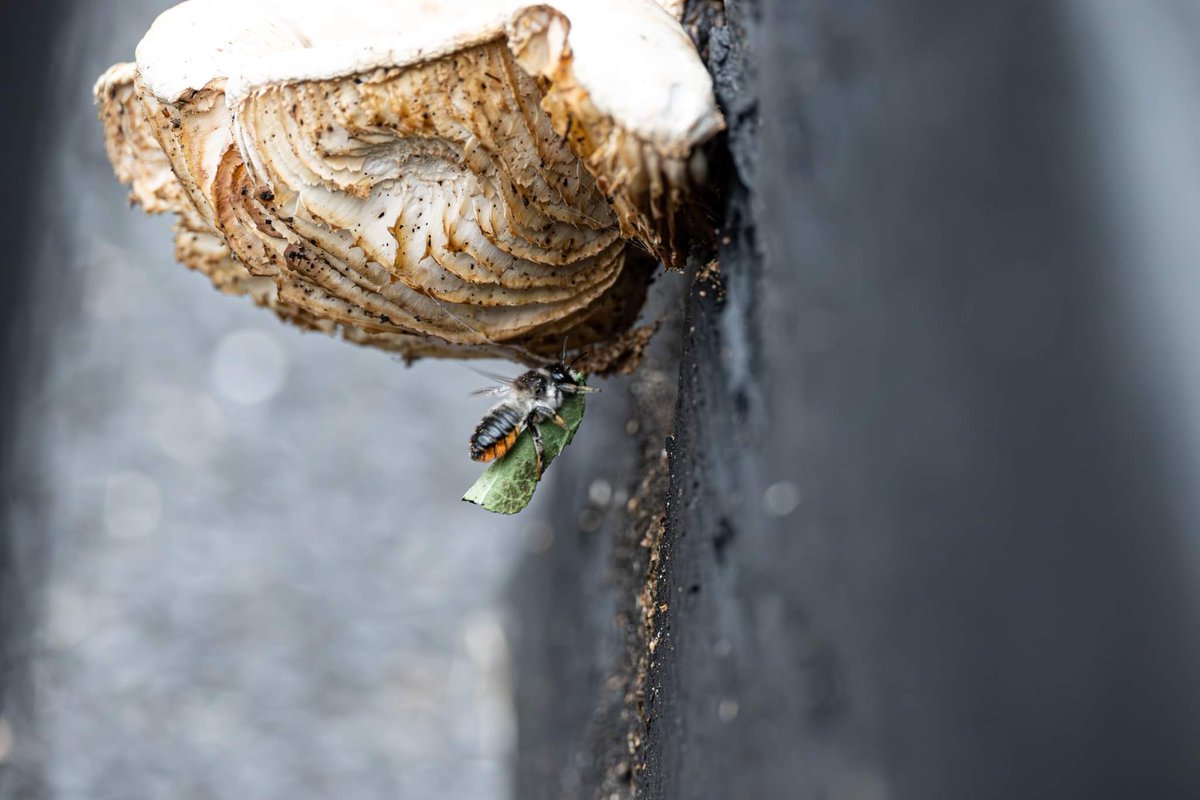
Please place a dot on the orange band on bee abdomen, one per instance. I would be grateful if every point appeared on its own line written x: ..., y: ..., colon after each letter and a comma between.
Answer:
x: 500, y: 448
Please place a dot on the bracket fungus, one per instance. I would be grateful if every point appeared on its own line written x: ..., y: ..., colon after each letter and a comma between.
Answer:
x: 433, y: 177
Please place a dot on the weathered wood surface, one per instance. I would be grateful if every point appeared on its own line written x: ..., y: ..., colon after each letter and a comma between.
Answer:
x: 930, y: 530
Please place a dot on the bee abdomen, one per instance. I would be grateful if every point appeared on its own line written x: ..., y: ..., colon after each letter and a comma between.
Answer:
x: 496, y: 434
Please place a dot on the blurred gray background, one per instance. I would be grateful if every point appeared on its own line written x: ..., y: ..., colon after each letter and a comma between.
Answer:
x: 932, y: 521
x: 244, y: 544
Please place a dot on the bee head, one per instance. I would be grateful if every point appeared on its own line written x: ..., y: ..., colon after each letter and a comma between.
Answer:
x: 560, y: 373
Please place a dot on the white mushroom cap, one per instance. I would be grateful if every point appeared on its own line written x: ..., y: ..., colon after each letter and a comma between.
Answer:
x: 390, y: 168
x: 636, y: 62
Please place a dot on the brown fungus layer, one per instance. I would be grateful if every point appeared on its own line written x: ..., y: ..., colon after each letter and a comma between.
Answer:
x: 448, y: 205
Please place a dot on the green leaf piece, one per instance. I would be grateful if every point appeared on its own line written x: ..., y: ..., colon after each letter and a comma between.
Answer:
x: 509, y: 483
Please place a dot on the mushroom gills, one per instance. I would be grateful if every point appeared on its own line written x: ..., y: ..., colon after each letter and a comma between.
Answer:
x: 432, y: 178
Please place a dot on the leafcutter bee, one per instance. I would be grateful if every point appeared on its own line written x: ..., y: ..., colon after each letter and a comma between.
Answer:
x: 532, y: 398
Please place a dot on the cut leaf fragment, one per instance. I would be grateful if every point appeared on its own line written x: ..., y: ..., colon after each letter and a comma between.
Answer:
x: 508, y: 485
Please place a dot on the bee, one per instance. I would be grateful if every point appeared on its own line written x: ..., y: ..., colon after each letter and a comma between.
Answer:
x: 529, y: 400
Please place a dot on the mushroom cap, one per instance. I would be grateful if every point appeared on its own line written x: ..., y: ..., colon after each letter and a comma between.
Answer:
x: 430, y: 176
x: 636, y: 62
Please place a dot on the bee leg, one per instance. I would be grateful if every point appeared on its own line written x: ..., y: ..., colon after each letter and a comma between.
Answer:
x: 537, y: 447
x: 560, y: 422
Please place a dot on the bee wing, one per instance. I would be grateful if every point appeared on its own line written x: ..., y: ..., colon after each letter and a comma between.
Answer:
x: 492, y: 376
x: 505, y: 387
x: 493, y: 391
